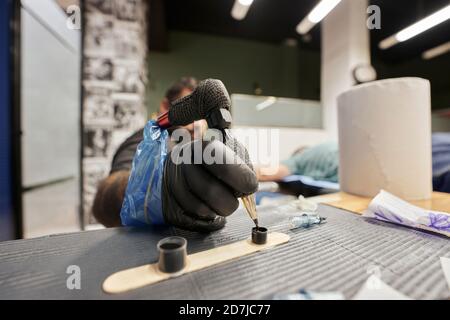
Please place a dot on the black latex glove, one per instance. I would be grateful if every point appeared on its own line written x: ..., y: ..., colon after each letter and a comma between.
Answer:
x: 198, y: 197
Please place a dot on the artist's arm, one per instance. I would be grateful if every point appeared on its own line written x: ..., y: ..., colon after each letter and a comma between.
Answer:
x: 109, y: 198
x: 111, y: 190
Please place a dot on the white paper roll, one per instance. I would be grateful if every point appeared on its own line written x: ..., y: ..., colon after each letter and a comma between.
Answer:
x: 385, y: 138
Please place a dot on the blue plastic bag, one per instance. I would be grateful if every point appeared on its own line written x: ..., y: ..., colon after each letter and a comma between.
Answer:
x: 142, y: 204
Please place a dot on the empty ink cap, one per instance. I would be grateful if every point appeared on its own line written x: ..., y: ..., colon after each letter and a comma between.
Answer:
x: 259, y: 235
x: 172, y: 254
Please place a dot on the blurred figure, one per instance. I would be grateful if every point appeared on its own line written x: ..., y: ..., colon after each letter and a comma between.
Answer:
x: 111, y: 190
x: 319, y: 162
x: 441, y: 161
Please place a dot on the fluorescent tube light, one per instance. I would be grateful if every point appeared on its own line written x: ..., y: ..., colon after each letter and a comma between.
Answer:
x: 417, y: 28
x: 266, y: 103
x: 320, y: 11
x: 436, y: 51
x: 240, y: 9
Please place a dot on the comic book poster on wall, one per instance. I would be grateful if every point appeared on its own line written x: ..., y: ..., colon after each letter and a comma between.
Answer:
x: 114, y: 80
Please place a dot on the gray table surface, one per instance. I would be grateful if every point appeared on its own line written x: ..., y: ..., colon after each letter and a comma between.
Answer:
x: 337, y: 256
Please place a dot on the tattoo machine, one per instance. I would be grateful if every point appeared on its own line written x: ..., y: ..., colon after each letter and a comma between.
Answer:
x: 209, y: 101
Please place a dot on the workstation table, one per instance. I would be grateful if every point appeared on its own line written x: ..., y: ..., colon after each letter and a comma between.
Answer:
x: 336, y: 256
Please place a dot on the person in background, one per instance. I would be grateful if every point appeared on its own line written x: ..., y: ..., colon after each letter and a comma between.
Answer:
x: 441, y: 161
x: 319, y: 162
x: 111, y: 190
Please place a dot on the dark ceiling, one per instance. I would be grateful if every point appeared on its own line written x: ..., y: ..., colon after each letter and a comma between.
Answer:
x: 275, y: 20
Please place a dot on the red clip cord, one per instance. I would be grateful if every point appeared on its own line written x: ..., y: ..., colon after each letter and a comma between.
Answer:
x: 163, y: 120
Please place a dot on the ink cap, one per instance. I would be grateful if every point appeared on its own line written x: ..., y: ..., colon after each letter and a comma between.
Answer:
x: 259, y: 235
x: 172, y: 254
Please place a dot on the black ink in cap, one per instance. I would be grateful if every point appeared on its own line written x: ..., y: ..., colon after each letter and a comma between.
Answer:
x: 172, y: 254
x: 259, y: 235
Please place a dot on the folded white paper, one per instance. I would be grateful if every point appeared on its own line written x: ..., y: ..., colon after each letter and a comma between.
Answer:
x: 375, y: 289
x: 305, y: 204
x: 387, y: 207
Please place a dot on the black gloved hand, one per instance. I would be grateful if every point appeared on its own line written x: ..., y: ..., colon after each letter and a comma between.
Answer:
x: 198, y: 197
x: 209, y: 95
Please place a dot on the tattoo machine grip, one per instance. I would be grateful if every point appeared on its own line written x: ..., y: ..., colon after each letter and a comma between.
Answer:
x: 209, y: 101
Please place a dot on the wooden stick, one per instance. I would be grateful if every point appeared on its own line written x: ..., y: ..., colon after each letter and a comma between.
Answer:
x: 138, y: 277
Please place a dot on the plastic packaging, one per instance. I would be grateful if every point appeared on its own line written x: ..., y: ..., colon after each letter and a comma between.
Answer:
x: 305, y: 221
x: 388, y: 207
x: 142, y: 204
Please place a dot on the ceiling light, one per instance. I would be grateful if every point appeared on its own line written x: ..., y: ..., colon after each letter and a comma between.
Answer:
x: 240, y: 9
x: 246, y: 2
x: 266, y: 103
x: 320, y: 11
x: 436, y: 51
x: 417, y: 28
